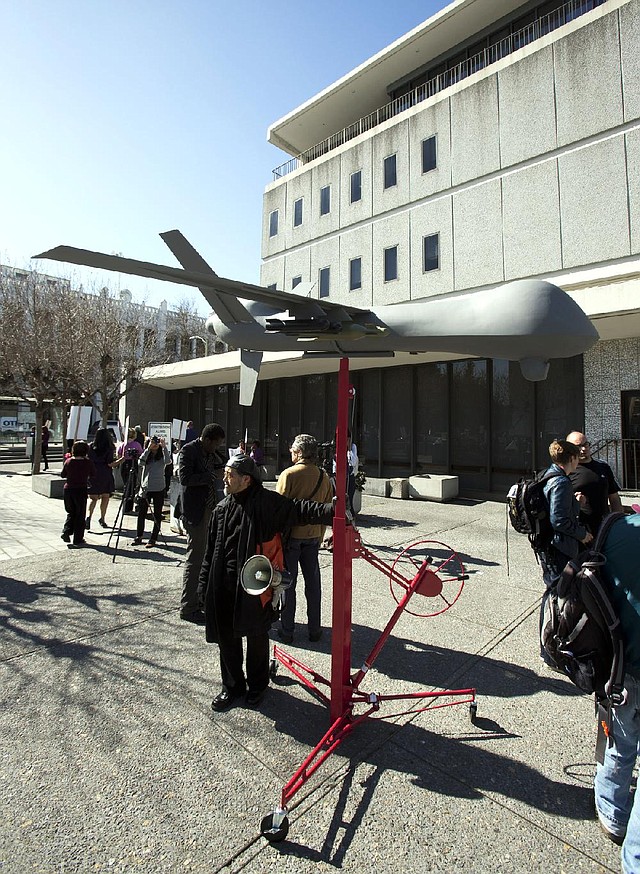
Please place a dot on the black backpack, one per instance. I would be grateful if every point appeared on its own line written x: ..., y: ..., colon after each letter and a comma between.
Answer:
x: 528, y: 509
x: 581, y: 629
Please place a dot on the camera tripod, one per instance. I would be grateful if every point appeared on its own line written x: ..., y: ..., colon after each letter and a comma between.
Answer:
x: 127, y: 498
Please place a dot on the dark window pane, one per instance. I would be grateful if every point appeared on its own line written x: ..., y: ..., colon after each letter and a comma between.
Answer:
x: 559, y: 405
x: 370, y: 412
x: 273, y: 286
x: 512, y: 405
x: 470, y: 424
x: 431, y: 252
x: 313, y: 406
x: 296, y: 281
x: 325, y: 200
x: 390, y: 178
x: 290, y: 412
x: 272, y: 426
x: 396, y: 431
x: 297, y: 213
x: 390, y: 263
x: 273, y: 223
x: 355, y: 273
x: 356, y: 186
x: 325, y: 276
x: 428, y: 154
x: 432, y: 417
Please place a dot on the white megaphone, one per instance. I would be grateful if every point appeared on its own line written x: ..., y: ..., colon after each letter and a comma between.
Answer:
x: 258, y: 574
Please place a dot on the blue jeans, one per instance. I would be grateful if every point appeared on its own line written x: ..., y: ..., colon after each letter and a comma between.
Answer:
x: 304, y: 552
x: 619, y: 811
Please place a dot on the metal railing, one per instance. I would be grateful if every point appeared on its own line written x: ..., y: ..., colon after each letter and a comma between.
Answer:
x: 623, y: 457
x: 538, y: 28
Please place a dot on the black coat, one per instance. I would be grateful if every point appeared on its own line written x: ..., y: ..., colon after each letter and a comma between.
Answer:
x: 264, y: 514
x: 195, y: 480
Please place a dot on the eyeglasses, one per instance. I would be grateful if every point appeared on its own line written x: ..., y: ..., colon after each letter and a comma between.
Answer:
x: 586, y: 443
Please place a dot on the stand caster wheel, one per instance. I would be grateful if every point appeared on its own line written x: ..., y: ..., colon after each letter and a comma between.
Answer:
x: 275, y: 827
x: 473, y: 711
x: 273, y: 669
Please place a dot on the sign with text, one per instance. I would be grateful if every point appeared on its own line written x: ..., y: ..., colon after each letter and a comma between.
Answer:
x: 161, y: 430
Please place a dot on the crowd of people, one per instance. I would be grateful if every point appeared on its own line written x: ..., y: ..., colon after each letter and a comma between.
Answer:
x: 228, y: 517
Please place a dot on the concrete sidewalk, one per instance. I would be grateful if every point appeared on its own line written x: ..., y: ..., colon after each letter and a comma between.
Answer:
x: 113, y: 761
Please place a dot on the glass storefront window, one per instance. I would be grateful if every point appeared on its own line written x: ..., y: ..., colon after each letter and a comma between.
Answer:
x: 432, y: 417
x: 397, y: 417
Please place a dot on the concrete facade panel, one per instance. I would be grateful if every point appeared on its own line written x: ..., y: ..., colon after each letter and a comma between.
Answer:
x: 326, y: 172
x: 587, y: 80
x: 527, y: 108
x: 393, y: 141
x: 357, y: 243
x: 389, y: 232
x: 433, y: 120
x: 531, y: 216
x: 629, y: 42
x: 593, y: 204
x: 274, y: 198
x: 272, y: 273
x: 298, y: 187
x: 432, y: 218
x: 298, y: 263
x: 356, y: 159
x: 475, y: 149
x: 632, y: 141
x: 326, y: 253
x: 477, y: 236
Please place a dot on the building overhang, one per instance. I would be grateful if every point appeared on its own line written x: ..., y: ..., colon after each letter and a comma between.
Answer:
x: 367, y: 86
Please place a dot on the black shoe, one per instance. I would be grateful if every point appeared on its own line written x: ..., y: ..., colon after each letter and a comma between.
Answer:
x: 315, y: 636
x: 254, y: 698
x: 64, y: 536
x: 87, y: 524
x: 616, y: 839
x: 225, y: 699
x: 136, y: 541
x: 197, y: 617
x: 102, y: 523
x: 284, y: 636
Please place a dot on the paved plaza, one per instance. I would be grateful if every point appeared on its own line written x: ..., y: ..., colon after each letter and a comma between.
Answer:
x: 113, y: 761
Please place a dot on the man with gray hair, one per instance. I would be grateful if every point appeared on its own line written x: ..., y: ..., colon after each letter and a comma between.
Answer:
x: 304, y: 479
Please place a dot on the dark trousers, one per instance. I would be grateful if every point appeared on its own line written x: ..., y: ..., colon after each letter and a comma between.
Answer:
x: 157, y: 499
x: 75, y: 503
x: 305, y: 553
x: 44, y: 456
x: 196, y: 547
x: 257, y: 662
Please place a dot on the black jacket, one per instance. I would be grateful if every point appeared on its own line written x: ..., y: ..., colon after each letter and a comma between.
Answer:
x: 264, y: 514
x: 195, y: 480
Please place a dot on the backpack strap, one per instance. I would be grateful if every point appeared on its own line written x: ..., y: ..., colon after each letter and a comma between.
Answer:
x: 317, y: 485
x: 607, y: 524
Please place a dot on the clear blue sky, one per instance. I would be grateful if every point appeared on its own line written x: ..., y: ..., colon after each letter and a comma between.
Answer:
x: 123, y: 118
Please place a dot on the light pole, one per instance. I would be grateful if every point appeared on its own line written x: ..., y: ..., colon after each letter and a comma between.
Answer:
x: 204, y: 340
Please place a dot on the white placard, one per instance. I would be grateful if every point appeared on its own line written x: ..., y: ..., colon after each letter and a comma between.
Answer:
x: 78, y: 424
x: 178, y: 429
x: 160, y: 430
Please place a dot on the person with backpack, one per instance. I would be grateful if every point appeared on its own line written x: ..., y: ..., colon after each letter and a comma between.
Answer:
x: 617, y: 807
x: 566, y: 534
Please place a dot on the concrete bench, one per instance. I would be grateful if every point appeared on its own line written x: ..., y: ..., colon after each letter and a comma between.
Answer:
x: 48, y: 484
x: 387, y: 488
x: 433, y: 487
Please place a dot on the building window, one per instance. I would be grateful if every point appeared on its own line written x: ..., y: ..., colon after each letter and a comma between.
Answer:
x: 272, y: 287
x: 390, y: 176
x: 356, y: 186
x: 431, y: 252
x: 297, y: 213
x: 273, y: 223
x: 429, y: 154
x: 296, y: 281
x: 325, y: 200
x: 325, y: 277
x: 390, y: 263
x: 355, y: 274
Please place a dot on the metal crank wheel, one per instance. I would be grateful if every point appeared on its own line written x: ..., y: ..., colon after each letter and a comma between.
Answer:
x: 275, y: 826
x: 443, y: 580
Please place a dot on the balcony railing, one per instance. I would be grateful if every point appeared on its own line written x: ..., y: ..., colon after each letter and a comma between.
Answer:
x: 623, y: 457
x: 538, y: 28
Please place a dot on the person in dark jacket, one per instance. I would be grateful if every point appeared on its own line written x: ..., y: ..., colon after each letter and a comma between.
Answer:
x: 76, y: 470
x: 248, y: 516
x: 200, y: 466
x: 564, y: 509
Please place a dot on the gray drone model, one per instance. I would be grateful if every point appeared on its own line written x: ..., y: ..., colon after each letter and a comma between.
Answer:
x: 529, y: 320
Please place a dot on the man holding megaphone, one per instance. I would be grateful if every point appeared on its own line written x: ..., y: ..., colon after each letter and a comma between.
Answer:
x: 248, y: 517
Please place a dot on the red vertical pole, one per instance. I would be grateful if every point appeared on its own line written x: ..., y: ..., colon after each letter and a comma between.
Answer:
x: 341, y: 625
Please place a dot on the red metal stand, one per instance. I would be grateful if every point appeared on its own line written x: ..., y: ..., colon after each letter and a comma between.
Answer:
x: 442, y: 580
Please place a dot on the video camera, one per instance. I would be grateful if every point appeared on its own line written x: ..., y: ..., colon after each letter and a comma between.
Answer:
x: 326, y: 455
x: 132, y: 454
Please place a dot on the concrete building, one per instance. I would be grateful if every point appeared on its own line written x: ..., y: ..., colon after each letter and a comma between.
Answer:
x: 495, y: 141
